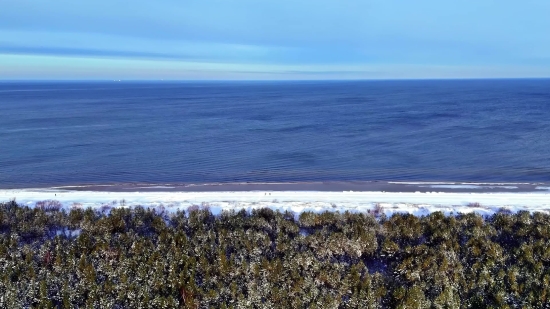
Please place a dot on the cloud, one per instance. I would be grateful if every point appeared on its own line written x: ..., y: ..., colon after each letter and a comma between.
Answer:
x: 34, y: 67
x: 502, y: 35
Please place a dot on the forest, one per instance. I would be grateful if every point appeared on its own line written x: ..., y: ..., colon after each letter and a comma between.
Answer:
x: 151, y: 258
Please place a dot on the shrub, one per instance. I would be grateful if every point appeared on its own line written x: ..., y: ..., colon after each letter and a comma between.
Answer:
x: 504, y: 210
x: 105, y: 208
x: 193, y: 208
x: 377, y: 210
x: 49, y: 205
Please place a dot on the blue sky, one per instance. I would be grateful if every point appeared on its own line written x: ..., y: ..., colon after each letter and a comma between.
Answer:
x: 264, y: 39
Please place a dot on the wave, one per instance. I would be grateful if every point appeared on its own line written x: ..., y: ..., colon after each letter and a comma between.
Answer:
x: 322, y: 186
x: 54, y: 128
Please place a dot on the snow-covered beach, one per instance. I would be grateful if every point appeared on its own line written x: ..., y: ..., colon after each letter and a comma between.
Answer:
x: 445, y: 197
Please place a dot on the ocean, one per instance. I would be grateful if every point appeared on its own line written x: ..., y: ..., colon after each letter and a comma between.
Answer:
x: 70, y: 133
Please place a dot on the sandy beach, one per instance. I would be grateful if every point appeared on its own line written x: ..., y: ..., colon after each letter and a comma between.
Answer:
x: 419, y: 198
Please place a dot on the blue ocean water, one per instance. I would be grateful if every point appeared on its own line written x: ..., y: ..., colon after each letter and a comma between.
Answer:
x: 66, y: 133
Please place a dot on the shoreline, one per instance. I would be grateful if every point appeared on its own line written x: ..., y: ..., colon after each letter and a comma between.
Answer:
x: 326, y: 186
x: 449, y: 198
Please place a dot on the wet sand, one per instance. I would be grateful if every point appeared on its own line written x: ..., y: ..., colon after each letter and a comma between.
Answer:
x: 360, y: 186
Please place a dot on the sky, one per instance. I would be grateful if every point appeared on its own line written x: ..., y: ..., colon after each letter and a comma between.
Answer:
x: 273, y: 40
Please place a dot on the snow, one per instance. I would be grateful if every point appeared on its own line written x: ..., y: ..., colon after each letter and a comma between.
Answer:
x: 156, y: 187
x: 297, y: 201
x: 452, y: 183
x: 469, y: 186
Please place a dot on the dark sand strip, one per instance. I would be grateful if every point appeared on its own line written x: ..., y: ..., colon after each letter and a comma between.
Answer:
x: 372, y: 186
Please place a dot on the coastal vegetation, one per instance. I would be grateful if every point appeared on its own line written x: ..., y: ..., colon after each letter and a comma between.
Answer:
x: 150, y: 258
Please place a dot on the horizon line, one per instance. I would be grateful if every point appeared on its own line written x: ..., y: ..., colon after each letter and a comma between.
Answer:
x: 273, y: 80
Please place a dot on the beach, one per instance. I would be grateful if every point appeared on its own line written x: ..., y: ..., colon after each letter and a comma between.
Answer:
x: 418, y: 198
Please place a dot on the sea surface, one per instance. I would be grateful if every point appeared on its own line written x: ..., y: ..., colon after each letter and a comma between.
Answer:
x: 68, y: 133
